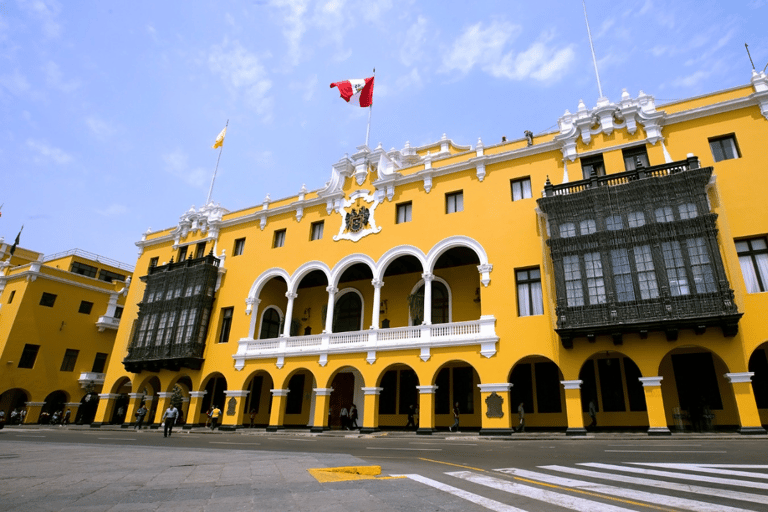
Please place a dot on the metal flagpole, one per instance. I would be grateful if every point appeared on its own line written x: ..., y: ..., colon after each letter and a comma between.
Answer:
x: 370, y: 109
x: 594, y: 60
x: 210, y: 190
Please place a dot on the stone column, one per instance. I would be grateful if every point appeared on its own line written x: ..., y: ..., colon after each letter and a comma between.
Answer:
x: 428, y: 278
x: 573, y: 408
x: 332, y: 291
x: 164, y: 401
x: 194, y: 411
x: 134, y: 400
x: 426, y: 409
x: 376, y: 303
x: 657, y: 418
x: 277, y: 414
x: 370, y: 410
x: 749, y: 417
x: 288, y: 314
x: 234, y: 409
x: 33, y: 412
x: 103, y: 410
x: 497, y: 411
x: 322, y: 401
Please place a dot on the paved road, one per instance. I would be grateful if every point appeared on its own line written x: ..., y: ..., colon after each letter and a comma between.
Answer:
x: 84, y: 469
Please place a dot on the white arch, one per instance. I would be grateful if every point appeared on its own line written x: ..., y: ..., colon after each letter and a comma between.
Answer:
x: 420, y: 283
x: 261, y: 319
x: 305, y: 269
x: 394, y: 253
x: 348, y: 261
x: 264, y: 277
x: 451, y: 242
x: 345, y: 291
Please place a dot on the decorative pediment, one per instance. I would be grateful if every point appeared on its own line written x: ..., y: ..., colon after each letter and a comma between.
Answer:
x: 205, y: 220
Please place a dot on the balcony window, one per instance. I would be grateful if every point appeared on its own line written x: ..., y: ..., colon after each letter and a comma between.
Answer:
x: 521, y: 189
x: 239, y: 247
x: 279, y: 239
x: 673, y: 261
x: 753, y: 258
x: 622, y: 275
x: 587, y: 227
x: 703, y: 279
x: 614, y: 223
x: 724, y: 148
x: 593, y: 268
x: 687, y: 211
x: 529, y: 299
x: 664, y: 214
x: 70, y: 358
x: 404, y: 212
x: 592, y: 166
x: 200, y: 250
x: 635, y: 158
x: 636, y: 219
x: 182, y: 253
x: 83, y: 269
x: 107, y: 276
x: 567, y: 230
x: 348, y: 313
x: 270, y: 324
x: 646, y: 275
x: 573, y: 290
x: 454, y: 202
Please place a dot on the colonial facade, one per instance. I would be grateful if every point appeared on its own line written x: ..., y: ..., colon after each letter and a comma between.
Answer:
x: 59, y: 315
x: 619, y: 260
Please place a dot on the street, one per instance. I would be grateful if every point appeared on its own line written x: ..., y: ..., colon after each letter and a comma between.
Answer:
x: 112, y: 469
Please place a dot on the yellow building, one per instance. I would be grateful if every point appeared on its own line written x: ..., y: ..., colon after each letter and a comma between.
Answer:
x: 433, y: 277
x: 59, y: 315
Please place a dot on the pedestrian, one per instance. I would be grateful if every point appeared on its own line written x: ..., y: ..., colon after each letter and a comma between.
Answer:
x: 140, y: 413
x: 120, y: 414
x: 2, y: 418
x: 169, y: 419
x: 253, y: 416
x: 592, y: 414
x: 521, y: 415
x: 215, y: 413
x: 55, y: 418
x: 14, y: 416
x: 411, y: 423
x: 67, y: 415
x: 344, y: 416
x: 23, y: 415
x: 208, y: 418
x: 353, y: 417
x: 455, y: 426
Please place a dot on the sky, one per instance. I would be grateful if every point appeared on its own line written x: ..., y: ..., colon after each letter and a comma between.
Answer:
x: 108, y: 110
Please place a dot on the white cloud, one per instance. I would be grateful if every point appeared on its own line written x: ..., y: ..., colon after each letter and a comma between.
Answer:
x: 692, y: 80
x: 243, y: 74
x: 54, y: 78
x: 43, y: 153
x: 177, y: 164
x: 485, y: 48
x: 47, y: 11
x: 15, y: 83
x: 308, y: 87
x: 113, y: 210
x: 100, y: 129
x: 410, y: 81
x: 295, y: 26
x: 413, y: 43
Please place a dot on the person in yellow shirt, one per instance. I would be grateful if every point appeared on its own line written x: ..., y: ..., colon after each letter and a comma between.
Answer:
x: 215, y: 413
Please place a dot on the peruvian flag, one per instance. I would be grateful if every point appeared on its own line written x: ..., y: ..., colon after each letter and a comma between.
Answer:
x: 356, y: 91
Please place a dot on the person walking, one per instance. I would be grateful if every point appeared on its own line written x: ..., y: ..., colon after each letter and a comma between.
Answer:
x: 215, y: 413
x: 521, y: 415
x: 23, y: 415
x: 169, y: 419
x: 592, y: 414
x: 344, y: 417
x: 455, y: 426
x: 67, y: 415
x: 253, y: 416
x: 411, y: 423
x: 353, y: 417
x: 140, y: 413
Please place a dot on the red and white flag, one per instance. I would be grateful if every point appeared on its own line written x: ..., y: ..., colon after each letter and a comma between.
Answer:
x: 356, y: 91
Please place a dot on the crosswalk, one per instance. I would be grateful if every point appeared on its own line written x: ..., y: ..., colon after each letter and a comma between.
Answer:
x: 594, y: 486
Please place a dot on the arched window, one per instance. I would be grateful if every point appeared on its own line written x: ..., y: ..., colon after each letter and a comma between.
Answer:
x: 270, y: 324
x: 347, y: 313
x: 440, y: 305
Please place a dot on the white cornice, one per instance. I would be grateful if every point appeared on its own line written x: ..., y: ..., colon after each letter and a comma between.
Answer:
x: 32, y: 275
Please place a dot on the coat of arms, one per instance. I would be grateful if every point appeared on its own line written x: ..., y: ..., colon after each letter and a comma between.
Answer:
x: 356, y: 220
x: 358, y: 216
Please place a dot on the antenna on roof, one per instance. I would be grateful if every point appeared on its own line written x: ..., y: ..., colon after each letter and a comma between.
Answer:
x: 594, y: 60
x: 750, y: 56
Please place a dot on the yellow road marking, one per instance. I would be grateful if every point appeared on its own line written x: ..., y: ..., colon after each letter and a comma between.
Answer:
x: 343, y: 474
x: 450, y: 464
x: 595, y: 495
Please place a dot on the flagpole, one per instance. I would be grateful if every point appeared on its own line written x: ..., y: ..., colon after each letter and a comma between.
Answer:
x: 210, y: 190
x: 592, y: 47
x: 370, y: 109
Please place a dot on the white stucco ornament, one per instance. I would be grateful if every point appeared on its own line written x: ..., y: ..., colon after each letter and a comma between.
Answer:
x: 358, y: 216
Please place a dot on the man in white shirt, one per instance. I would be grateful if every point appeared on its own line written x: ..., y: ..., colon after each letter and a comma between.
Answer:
x: 169, y: 418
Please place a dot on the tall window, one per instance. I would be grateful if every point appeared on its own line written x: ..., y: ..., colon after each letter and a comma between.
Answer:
x: 48, y: 299
x: 270, y: 324
x: 454, y: 202
x: 521, y: 189
x: 636, y: 219
x: 70, y: 358
x: 239, y: 247
x: 529, y: 300
x: 724, y: 148
x: 753, y: 257
x: 28, y: 356
x: 687, y: 211
x: 567, y: 230
x: 622, y: 275
x: 200, y: 250
x: 182, y: 253
x: 646, y: 275
x: 279, y: 239
x: 404, y: 211
x: 154, y: 261
x: 574, y: 292
x: 593, y: 267
x: 673, y: 261
x: 347, y: 313
x: 99, y: 362
x: 614, y: 223
x: 703, y: 279
x: 226, y: 324
x: 85, y: 307
x: 587, y: 227
x: 317, y: 230
x: 664, y: 214
x: 592, y: 166
x: 10, y: 298
x: 635, y: 157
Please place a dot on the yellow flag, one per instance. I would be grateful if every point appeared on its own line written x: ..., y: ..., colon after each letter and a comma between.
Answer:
x: 220, y: 139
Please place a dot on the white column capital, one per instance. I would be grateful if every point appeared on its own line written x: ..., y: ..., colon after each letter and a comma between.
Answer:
x: 197, y: 394
x: 371, y: 391
x: 237, y: 392
x: 571, y: 384
x: 377, y: 283
x: 323, y: 391
x: 332, y: 289
x: 426, y: 390
x: 164, y: 394
x: 495, y: 388
x: 735, y: 378
x: 279, y: 392
x: 651, y: 382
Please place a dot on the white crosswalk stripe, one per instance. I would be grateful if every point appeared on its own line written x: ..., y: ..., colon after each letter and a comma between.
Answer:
x: 591, y: 492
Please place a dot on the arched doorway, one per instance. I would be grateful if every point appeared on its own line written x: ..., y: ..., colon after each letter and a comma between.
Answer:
x: 398, y: 394
x: 758, y: 364
x: 258, y: 403
x: 13, y: 399
x: 298, y: 403
x: 89, y: 404
x: 54, y: 403
x: 612, y: 382
x: 214, y: 396
x: 120, y: 406
x: 457, y: 383
x: 348, y: 312
x: 347, y: 391
x: 536, y: 383
x: 270, y: 324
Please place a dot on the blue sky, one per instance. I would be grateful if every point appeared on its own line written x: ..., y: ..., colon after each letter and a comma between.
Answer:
x: 108, y: 110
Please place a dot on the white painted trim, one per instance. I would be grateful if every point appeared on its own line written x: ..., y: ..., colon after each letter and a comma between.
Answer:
x: 495, y: 388
x: 736, y: 378
x: 372, y: 391
x: 651, y: 382
x: 323, y: 391
x: 237, y: 392
x: 571, y: 384
x: 426, y: 390
x: 279, y: 392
